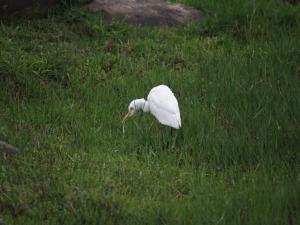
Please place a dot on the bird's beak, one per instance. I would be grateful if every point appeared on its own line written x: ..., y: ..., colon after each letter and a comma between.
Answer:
x: 126, y: 117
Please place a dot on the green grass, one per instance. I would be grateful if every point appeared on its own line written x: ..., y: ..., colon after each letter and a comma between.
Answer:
x: 66, y: 81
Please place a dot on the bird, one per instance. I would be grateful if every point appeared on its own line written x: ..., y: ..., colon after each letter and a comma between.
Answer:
x: 161, y: 103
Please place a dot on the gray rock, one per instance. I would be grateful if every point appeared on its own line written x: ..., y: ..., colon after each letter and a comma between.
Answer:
x: 152, y: 12
x: 8, y: 148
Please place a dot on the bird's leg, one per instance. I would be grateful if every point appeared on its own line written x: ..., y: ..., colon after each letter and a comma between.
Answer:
x: 162, y: 138
x: 174, y: 140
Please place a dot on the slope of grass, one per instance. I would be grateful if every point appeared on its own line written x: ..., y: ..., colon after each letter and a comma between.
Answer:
x: 66, y: 81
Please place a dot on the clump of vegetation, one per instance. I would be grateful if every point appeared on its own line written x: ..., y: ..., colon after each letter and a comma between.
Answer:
x: 65, y: 82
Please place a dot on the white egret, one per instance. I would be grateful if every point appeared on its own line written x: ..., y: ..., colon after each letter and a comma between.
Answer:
x: 161, y: 103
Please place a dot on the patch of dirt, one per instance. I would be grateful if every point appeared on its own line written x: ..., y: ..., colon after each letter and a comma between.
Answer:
x: 293, y: 2
x: 151, y: 12
x: 12, y: 8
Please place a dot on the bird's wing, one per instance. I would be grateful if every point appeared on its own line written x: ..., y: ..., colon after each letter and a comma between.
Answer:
x: 164, y: 106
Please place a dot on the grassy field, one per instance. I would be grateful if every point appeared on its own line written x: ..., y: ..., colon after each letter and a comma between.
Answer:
x: 66, y: 81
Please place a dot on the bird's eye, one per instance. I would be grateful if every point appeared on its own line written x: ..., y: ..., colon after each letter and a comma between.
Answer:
x: 131, y: 108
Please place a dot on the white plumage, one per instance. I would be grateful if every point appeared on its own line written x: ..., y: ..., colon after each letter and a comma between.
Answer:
x: 161, y: 103
x: 164, y: 106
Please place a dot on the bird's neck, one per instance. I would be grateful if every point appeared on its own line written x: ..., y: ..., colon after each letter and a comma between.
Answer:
x: 141, y: 104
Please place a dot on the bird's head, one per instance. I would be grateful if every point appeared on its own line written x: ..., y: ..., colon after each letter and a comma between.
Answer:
x: 131, y: 110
